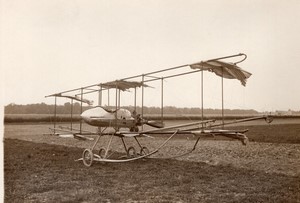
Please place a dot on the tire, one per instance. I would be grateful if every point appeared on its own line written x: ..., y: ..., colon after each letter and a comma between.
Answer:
x: 87, y: 157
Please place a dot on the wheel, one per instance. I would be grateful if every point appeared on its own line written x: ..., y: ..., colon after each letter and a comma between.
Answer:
x: 102, y: 153
x: 131, y: 152
x: 144, y: 151
x: 87, y: 157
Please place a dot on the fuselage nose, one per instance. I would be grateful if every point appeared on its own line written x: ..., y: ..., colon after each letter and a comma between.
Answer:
x: 97, y: 116
x: 89, y: 114
x: 84, y: 114
x: 93, y: 113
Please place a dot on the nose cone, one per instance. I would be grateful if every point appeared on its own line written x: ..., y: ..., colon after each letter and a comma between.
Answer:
x: 91, y: 113
x: 90, y: 116
x: 97, y: 116
x: 85, y: 114
x: 94, y: 114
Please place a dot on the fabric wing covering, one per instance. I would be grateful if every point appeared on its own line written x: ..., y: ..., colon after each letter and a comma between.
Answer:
x: 123, y: 85
x: 223, y: 69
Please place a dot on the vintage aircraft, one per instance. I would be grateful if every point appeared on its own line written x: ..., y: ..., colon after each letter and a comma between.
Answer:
x: 119, y: 118
x: 123, y: 123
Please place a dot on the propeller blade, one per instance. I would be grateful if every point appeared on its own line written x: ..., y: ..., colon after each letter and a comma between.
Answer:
x: 155, y: 124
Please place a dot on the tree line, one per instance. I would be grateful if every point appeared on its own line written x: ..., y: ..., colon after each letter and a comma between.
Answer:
x: 67, y: 108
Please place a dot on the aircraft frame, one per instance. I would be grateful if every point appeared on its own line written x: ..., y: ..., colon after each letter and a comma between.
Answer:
x: 198, y: 129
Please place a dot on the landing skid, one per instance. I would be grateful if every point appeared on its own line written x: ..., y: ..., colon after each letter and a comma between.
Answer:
x: 88, y: 157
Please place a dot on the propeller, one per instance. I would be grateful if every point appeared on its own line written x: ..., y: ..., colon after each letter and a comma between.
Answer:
x: 155, y: 124
x: 152, y: 123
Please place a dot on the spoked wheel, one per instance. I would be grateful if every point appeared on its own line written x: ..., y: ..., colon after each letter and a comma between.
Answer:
x: 144, y: 151
x: 87, y: 157
x: 131, y: 152
x: 102, y: 152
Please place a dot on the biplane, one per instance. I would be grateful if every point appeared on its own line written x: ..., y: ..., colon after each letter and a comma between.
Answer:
x: 126, y: 124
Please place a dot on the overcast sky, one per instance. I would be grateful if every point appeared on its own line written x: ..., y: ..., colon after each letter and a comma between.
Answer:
x: 51, y: 46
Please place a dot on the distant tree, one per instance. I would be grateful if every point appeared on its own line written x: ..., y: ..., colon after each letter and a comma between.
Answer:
x: 43, y: 108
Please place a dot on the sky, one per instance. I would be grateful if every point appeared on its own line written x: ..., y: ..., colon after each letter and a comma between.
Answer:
x: 52, y: 46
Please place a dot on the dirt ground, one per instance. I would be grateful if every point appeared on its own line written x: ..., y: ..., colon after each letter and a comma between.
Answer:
x: 41, y: 168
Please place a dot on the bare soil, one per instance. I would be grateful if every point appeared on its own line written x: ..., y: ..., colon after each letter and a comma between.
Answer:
x: 41, y: 168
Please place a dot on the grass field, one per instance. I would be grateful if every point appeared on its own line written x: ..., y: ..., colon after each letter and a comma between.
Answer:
x: 41, y: 168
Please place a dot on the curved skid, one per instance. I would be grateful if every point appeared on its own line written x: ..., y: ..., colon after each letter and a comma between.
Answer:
x: 183, y: 154
x: 125, y: 160
x: 96, y: 157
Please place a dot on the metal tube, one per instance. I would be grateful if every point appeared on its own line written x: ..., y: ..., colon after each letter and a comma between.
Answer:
x: 154, y: 72
x: 178, y: 126
x: 154, y: 78
x: 142, y: 100
x: 138, y: 142
x: 177, y: 67
x: 225, y: 57
x: 95, y: 143
x: 107, y: 149
x: 116, y: 113
x: 108, y: 97
x: 143, y: 97
x: 55, y: 113
x: 71, y: 114
x: 89, y: 92
x: 232, y: 122
x: 202, y: 112
x: 135, y: 99
x: 171, y: 76
x: 119, y: 99
x: 72, y: 90
x: 124, y: 144
x: 81, y: 110
x: 222, y: 97
x: 100, y: 96
x: 162, y: 99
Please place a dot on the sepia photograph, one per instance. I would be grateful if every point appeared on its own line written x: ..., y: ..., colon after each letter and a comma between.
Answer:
x: 150, y: 101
